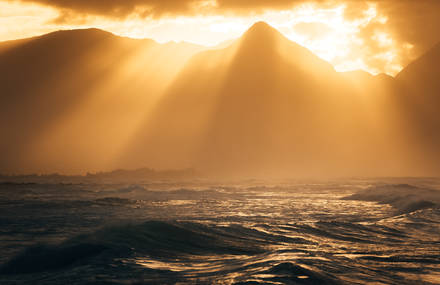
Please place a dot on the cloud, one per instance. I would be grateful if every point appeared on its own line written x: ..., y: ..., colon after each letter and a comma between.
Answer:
x: 415, y: 20
x: 120, y: 8
x: 412, y: 25
x: 160, y: 8
x: 157, y: 8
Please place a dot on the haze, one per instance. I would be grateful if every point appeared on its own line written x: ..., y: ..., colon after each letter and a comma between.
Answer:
x: 231, y: 88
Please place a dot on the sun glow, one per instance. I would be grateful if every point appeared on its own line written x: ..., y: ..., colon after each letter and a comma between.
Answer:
x: 326, y: 30
x: 22, y: 21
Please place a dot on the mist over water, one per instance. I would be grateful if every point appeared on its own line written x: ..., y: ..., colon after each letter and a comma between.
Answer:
x: 250, y: 232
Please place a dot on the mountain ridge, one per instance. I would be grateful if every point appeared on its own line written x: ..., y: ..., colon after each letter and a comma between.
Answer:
x: 262, y: 105
x: 67, y: 98
x: 258, y: 104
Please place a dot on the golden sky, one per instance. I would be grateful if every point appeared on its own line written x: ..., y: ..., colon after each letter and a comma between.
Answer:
x: 376, y: 36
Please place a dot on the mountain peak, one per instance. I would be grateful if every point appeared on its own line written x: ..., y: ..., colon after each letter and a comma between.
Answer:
x: 425, y: 64
x: 260, y: 25
x: 261, y: 34
x: 261, y: 30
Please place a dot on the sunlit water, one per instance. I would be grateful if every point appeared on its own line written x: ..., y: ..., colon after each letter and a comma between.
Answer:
x: 201, y: 233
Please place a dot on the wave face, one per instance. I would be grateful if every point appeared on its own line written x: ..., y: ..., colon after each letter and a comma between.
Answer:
x: 344, y: 232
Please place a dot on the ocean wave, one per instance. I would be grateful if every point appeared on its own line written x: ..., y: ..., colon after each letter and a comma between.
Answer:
x: 40, y: 258
x: 152, y: 238
x: 403, y: 197
x: 313, y: 237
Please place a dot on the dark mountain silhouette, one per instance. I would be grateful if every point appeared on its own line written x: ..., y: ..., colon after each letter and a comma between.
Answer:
x: 86, y: 100
x: 66, y: 97
x: 142, y: 175
x: 419, y: 87
x: 267, y: 106
x: 4, y: 46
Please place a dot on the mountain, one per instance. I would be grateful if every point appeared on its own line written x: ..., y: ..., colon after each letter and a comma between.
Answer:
x: 259, y: 106
x: 119, y: 176
x: 266, y: 106
x: 74, y: 96
x: 419, y: 87
x: 424, y: 69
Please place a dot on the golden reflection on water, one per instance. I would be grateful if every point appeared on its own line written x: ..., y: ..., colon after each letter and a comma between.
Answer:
x: 313, y: 228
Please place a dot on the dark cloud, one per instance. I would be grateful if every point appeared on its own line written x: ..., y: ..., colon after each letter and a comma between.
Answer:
x: 157, y: 8
x: 256, y: 5
x: 121, y: 8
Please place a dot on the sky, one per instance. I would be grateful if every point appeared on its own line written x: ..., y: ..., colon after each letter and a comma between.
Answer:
x: 380, y: 36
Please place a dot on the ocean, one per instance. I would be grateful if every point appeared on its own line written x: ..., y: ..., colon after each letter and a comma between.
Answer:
x: 353, y: 231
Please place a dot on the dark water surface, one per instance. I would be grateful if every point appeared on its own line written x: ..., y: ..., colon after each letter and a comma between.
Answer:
x: 236, y: 233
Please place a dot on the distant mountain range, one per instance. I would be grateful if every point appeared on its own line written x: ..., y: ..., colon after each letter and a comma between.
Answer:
x: 71, y: 96
x: 80, y: 100
x: 123, y: 176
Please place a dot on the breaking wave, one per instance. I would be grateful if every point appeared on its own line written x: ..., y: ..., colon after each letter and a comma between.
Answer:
x: 225, y: 236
